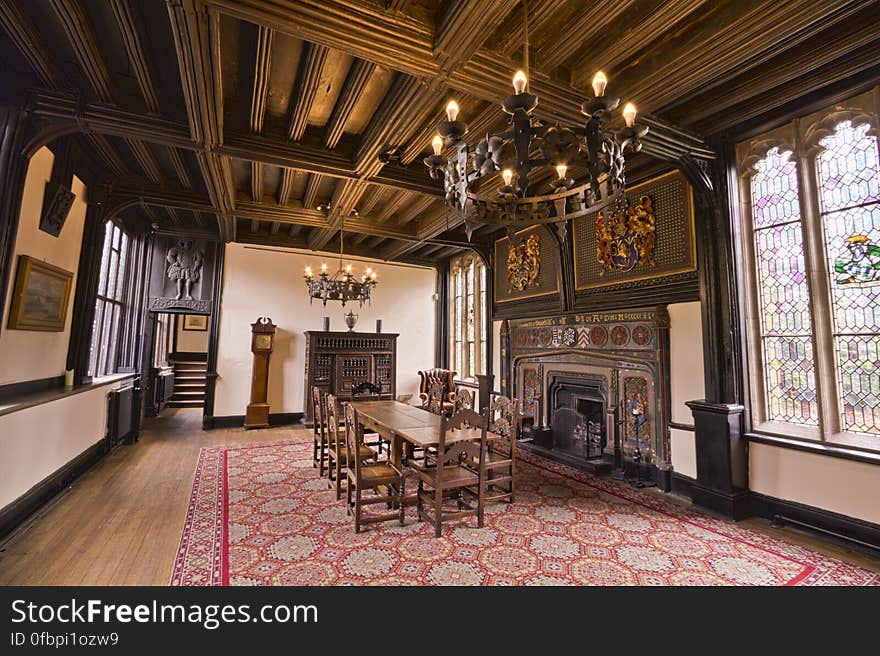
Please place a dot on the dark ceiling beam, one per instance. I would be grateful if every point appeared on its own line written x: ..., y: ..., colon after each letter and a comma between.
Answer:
x: 108, y: 120
x: 732, y: 36
x: 274, y: 227
x: 369, y: 199
x: 311, y: 65
x: 415, y: 209
x: 358, y: 27
x: 164, y: 196
x: 85, y: 46
x: 355, y: 83
x: 179, y: 167
x: 288, y: 177
x: 587, y: 24
x: 310, y: 195
x: 196, y: 33
x: 464, y: 26
x: 397, y: 5
x: 107, y: 154
x: 373, y: 242
x: 294, y: 230
x: 255, y: 226
x: 392, y: 205
x: 834, y: 44
x: 256, y: 182
x: 173, y: 216
x: 616, y: 51
x: 199, y: 219
x: 359, y: 237
x: 542, y: 14
x: 146, y: 160
x: 127, y: 23
x: 262, y: 64
x: 22, y: 33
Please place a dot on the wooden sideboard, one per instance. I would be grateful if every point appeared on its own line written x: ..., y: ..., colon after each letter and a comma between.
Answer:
x: 337, y: 361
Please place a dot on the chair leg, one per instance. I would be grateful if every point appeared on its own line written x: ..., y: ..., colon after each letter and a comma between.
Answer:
x: 348, y: 498
x: 419, y: 504
x: 401, y: 495
x: 314, y: 452
x: 438, y: 512
x: 338, y: 481
x: 357, y: 509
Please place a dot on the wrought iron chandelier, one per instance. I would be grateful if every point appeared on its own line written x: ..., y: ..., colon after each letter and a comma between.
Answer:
x: 342, y: 285
x: 528, y: 145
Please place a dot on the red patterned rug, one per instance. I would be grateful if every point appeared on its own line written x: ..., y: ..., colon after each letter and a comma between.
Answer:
x: 259, y: 515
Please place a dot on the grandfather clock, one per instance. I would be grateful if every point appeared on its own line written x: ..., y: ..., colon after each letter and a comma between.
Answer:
x: 262, y: 338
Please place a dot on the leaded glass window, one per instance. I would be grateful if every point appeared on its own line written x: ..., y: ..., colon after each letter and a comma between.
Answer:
x: 110, y: 302
x: 811, y: 202
x: 467, y: 312
x: 849, y: 175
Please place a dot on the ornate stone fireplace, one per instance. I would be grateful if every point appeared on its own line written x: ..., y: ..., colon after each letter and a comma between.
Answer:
x: 595, y: 385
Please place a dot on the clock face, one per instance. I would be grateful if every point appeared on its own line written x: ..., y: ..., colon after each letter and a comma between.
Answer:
x: 262, y: 342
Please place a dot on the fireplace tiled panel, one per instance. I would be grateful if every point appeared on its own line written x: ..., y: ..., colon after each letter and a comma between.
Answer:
x: 627, y: 350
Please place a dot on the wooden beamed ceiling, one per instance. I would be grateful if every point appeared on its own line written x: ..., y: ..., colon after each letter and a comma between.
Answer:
x: 263, y: 120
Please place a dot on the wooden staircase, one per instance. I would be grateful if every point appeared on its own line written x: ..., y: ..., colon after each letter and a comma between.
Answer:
x: 189, y: 380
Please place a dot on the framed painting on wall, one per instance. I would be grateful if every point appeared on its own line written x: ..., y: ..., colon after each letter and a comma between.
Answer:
x: 40, y: 296
x: 195, y: 322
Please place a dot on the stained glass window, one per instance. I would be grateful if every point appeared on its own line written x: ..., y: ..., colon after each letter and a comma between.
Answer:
x: 466, y: 316
x: 783, y: 294
x: 848, y: 169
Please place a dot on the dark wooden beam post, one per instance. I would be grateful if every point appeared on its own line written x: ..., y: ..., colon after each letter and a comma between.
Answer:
x: 721, y: 449
x: 214, y: 337
x: 86, y: 290
x: 13, y: 169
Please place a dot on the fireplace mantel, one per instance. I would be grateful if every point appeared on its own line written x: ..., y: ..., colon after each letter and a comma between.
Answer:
x: 629, y: 349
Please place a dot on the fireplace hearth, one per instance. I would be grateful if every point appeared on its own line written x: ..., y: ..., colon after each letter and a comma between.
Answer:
x: 577, y: 415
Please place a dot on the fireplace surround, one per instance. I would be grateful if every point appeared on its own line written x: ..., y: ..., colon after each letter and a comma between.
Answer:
x: 597, y: 383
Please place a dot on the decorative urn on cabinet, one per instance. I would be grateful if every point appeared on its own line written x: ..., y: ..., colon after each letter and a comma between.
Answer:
x: 262, y: 343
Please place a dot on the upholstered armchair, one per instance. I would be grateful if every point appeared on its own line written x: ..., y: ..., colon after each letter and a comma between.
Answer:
x: 437, y: 391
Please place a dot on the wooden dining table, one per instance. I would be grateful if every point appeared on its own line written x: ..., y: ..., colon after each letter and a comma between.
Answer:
x: 407, y: 427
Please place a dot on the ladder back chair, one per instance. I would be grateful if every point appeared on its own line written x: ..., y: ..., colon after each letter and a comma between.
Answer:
x: 337, y: 452
x: 505, y: 421
x: 386, y: 481
x: 319, y: 431
x: 367, y: 391
x: 457, y: 474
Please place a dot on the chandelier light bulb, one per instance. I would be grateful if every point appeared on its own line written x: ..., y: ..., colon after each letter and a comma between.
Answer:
x: 451, y: 111
x: 561, y: 170
x: 599, y: 83
x: 308, y: 272
x: 373, y: 275
x: 437, y: 144
x: 369, y: 270
x: 348, y: 268
x: 629, y: 114
x: 519, y: 82
x: 323, y: 267
x: 507, y: 174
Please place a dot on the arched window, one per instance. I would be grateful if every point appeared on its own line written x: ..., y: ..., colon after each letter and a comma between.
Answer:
x: 811, y: 236
x: 467, y: 312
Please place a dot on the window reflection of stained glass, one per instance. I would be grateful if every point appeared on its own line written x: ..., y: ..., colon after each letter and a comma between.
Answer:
x: 848, y: 169
x: 783, y: 294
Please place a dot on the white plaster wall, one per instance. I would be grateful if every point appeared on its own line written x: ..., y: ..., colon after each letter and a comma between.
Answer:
x: 191, y: 341
x: 38, y: 441
x: 27, y: 354
x: 842, y: 486
x: 686, y: 380
x: 261, y: 281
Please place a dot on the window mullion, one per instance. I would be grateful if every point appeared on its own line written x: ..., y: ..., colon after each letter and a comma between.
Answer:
x: 820, y: 295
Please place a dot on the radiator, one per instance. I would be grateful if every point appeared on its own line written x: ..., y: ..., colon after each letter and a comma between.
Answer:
x: 167, y: 389
x: 120, y: 415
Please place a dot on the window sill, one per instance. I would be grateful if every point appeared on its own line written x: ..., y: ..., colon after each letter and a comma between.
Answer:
x: 25, y: 401
x: 822, y: 449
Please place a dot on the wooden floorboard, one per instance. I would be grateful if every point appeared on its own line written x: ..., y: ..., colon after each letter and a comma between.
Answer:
x: 120, y: 523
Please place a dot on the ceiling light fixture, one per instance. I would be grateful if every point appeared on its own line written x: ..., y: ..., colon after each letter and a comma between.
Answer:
x: 593, y: 151
x: 341, y: 286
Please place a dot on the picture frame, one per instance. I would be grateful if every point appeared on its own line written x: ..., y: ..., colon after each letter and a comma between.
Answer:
x: 40, y: 296
x: 195, y: 322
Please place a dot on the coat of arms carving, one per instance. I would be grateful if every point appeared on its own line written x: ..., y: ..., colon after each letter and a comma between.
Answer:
x: 524, y: 263
x: 625, y: 236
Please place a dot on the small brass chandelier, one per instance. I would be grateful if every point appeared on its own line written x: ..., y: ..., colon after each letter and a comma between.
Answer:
x: 528, y: 145
x: 342, y: 285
